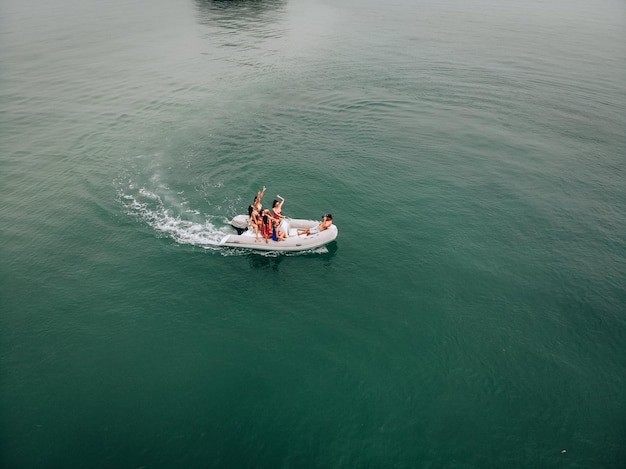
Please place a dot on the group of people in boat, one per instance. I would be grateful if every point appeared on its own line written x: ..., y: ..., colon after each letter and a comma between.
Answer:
x: 265, y: 222
x: 268, y: 223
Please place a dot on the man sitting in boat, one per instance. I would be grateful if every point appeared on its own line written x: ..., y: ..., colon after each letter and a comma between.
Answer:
x: 326, y: 223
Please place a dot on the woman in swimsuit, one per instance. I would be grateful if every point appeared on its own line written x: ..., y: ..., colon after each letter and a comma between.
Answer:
x: 267, y: 226
x: 257, y: 200
x: 277, y: 233
x: 255, y: 221
x: 277, y: 208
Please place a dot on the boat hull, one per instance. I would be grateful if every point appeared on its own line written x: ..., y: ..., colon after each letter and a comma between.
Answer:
x: 294, y: 242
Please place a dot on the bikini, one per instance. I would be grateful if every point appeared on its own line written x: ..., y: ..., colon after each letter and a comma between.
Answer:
x: 278, y: 214
x: 267, y: 232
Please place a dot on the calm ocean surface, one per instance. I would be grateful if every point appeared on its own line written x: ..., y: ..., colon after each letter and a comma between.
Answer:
x: 472, y: 312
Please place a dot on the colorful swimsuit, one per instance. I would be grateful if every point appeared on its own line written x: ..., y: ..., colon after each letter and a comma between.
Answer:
x: 266, y: 230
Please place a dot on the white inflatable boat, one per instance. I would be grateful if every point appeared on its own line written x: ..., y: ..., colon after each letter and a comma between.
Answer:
x: 294, y: 242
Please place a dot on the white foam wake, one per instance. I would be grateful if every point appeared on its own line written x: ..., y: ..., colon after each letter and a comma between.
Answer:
x: 170, y: 215
x: 176, y: 221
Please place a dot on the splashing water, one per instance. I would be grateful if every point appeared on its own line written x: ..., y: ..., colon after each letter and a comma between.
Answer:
x: 169, y: 214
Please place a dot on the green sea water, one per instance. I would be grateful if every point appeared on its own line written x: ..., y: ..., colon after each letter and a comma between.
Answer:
x: 471, y: 313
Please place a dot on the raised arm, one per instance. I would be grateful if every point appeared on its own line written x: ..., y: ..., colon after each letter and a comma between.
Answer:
x: 259, y: 196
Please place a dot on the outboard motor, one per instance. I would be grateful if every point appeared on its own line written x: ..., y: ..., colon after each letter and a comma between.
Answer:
x: 240, y: 223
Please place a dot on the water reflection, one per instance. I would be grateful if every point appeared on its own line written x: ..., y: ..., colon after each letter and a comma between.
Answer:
x: 248, y: 33
x: 265, y: 262
x: 253, y: 15
x: 272, y: 261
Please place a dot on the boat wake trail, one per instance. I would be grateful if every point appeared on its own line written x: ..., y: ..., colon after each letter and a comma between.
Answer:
x: 168, y: 213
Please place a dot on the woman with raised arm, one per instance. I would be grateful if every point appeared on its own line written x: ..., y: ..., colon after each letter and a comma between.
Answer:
x: 257, y: 200
x: 277, y: 208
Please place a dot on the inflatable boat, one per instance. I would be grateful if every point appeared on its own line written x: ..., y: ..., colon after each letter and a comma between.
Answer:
x: 245, y: 237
